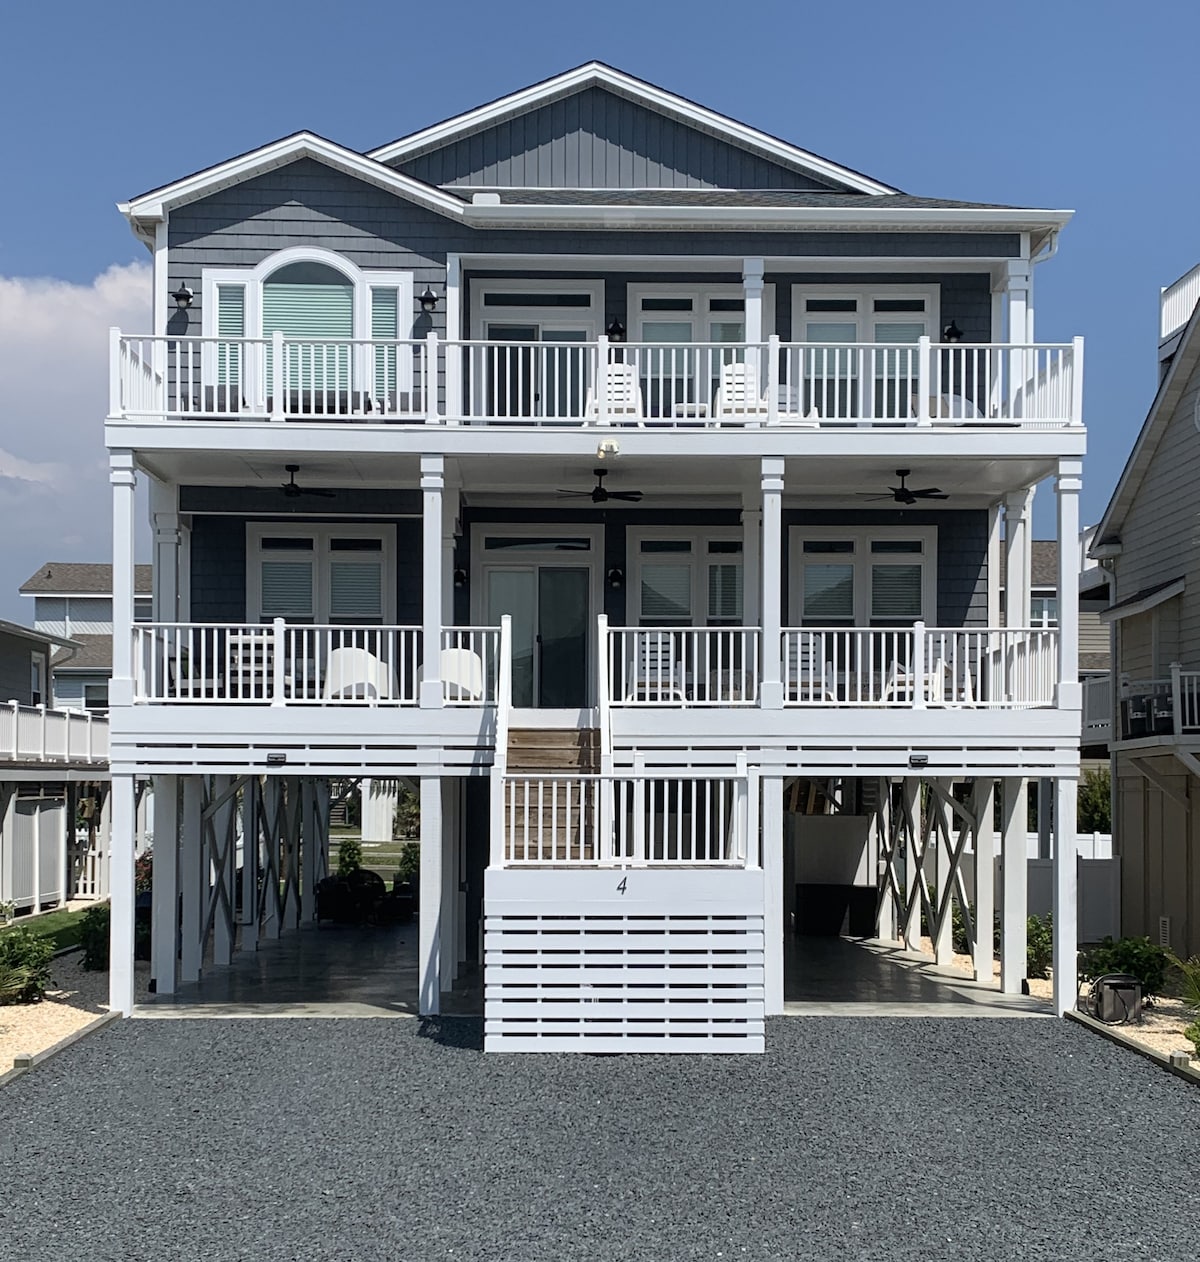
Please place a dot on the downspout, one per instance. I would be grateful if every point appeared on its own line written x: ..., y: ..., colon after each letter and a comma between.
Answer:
x: 1050, y: 252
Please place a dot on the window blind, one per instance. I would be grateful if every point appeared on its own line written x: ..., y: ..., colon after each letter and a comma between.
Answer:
x: 311, y: 313
x: 667, y: 592
x: 896, y: 591
x: 231, y: 323
x: 385, y: 324
x: 287, y: 589
x: 725, y: 591
x: 355, y: 591
x: 829, y: 593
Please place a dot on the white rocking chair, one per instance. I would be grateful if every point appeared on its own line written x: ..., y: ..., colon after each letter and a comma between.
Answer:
x: 622, y: 396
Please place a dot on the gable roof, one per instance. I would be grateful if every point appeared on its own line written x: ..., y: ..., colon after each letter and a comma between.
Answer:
x: 1166, y: 399
x: 598, y: 74
x: 82, y: 578
x: 94, y: 654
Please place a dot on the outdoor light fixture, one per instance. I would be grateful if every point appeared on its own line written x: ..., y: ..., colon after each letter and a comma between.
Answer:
x: 952, y: 333
x: 460, y: 578
x: 615, y: 331
x: 608, y: 447
x: 616, y: 578
x: 183, y: 297
x: 429, y: 301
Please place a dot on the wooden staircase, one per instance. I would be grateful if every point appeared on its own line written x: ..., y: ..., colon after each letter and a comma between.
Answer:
x: 549, y: 821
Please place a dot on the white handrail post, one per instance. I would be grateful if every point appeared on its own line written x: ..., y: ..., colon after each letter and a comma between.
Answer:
x: 741, y: 841
x: 1177, y: 698
x: 925, y: 383
x: 114, y: 371
x: 278, y: 376
x: 277, y: 662
x: 639, y: 810
x: 773, y: 379
x: 432, y: 414
x: 1076, y: 417
x: 603, y: 346
x: 917, y: 669
x: 42, y: 710
x: 754, y: 854
x: 500, y: 752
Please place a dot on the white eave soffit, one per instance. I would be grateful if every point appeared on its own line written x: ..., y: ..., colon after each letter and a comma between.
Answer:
x: 596, y: 74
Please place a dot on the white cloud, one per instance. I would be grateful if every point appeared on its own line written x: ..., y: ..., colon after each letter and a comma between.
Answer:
x: 54, y: 496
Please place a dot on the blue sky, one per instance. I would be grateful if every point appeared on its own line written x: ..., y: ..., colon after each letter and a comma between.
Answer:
x: 1037, y: 104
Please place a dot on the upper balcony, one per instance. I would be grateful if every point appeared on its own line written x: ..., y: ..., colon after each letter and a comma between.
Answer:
x: 921, y: 385
x: 38, y: 734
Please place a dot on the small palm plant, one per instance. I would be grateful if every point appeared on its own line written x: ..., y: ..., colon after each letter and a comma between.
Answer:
x: 1189, y: 974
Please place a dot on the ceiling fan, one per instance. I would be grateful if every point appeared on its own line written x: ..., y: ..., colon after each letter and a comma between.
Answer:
x: 600, y: 494
x: 903, y: 494
x: 291, y: 490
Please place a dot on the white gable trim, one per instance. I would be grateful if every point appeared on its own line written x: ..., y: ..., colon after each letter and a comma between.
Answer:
x: 159, y: 202
x: 596, y: 74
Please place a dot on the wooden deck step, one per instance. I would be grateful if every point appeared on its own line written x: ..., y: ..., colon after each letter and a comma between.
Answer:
x: 533, y: 749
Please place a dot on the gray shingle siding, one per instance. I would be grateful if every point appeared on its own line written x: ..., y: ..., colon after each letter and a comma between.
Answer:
x: 597, y: 139
x: 16, y: 676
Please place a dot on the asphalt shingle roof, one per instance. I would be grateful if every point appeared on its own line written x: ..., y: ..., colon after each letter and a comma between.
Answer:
x: 82, y: 576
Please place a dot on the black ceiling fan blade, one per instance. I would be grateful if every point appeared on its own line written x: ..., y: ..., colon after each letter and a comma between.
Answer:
x: 866, y: 495
x: 930, y: 493
x: 564, y: 494
x: 633, y: 497
x: 313, y: 490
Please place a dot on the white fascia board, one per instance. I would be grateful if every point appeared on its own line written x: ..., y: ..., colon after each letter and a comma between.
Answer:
x: 595, y: 73
x: 924, y: 219
x: 155, y: 205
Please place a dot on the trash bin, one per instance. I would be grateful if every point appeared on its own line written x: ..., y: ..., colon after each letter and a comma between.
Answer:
x: 1116, y: 999
x: 1162, y: 714
x: 1135, y: 717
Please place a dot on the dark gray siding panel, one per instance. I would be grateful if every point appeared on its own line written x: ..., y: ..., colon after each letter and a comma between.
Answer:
x: 596, y: 139
x: 16, y: 669
x: 307, y: 203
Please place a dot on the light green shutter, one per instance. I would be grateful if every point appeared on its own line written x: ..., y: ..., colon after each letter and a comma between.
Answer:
x: 320, y: 317
x: 385, y: 327
x: 231, y: 323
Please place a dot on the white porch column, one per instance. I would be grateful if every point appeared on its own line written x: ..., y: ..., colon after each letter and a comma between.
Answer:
x: 451, y: 497
x: 432, y: 482
x: 120, y: 966
x: 751, y: 558
x: 454, y: 331
x: 429, y: 915
x: 1066, y: 896
x: 1066, y: 488
x: 1020, y: 279
x: 191, y: 885
x: 772, y: 574
x: 773, y: 913
x: 1015, y: 861
x: 164, y: 963
x: 752, y: 286
x: 985, y: 894
x: 995, y: 573
x: 122, y: 475
x: 449, y: 933
x: 1018, y: 516
x: 164, y: 520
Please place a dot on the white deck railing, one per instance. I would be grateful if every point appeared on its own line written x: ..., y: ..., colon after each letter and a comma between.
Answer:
x: 40, y: 734
x: 672, y: 666
x: 627, y: 821
x: 1177, y: 302
x: 999, y: 668
x: 283, y: 664
x: 598, y: 383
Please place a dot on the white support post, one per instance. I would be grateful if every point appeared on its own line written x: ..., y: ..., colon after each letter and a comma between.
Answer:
x: 278, y: 662
x: 114, y: 371
x: 164, y: 962
x: 995, y: 573
x: 771, y: 693
x: 910, y: 925
x: 751, y: 559
x: 164, y: 518
x: 918, y: 671
x: 431, y: 395
x: 429, y: 916
x: 448, y: 935
x: 925, y: 385
x: 450, y: 525
x: 71, y: 809
x: 453, y: 353
x: 1018, y: 515
x: 1045, y: 816
x: 123, y: 477
x: 191, y: 884
x: 433, y: 469
x: 600, y: 382
x: 1076, y: 417
x: 1066, y: 897
x: 279, y: 377
x: 943, y: 866
x: 983, y: 807
x: 752, y: 289
x: 883, y: 860
x: 772, y: 866
x: 120, y: 951
x: 1015, y: 868
x: 1066, y: 488
x: 248, y: 933
x: 1018, y: 334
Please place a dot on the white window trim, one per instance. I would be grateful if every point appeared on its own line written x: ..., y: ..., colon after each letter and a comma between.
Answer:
x: 862, y: 538
x: 699, y: 537
x: 701, y: 294
x: 252, y: 279
x: 864, y: 317
x: 321, y: 533
x: 39, y: 673
x: 590, y: 318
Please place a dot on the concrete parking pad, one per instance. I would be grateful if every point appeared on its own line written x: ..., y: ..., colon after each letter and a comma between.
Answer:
x: 862, y: 1139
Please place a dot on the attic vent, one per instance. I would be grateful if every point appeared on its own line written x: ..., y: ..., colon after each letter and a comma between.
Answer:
x: 1164, y: 932
x: 485, y: 199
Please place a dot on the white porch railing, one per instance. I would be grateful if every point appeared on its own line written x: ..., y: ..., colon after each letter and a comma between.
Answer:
x: 39, y: 734
x: 919, y: 666
x: 599, y: 383
x: 627, y: 821
x: 1177, y: 302
x: 1098, y: 709
x: 471, y: 659
x: 673, y: 666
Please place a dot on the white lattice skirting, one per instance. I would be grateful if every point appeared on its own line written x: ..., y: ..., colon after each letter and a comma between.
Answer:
x: 673, y: 963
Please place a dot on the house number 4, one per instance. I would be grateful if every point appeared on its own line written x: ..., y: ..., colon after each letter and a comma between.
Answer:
x: 624, y: 882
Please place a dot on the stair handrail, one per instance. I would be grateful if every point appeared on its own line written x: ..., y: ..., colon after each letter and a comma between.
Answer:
x: 500, y: 755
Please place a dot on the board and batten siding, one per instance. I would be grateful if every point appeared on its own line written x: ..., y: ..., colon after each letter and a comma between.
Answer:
x: 595, y: 138
x: 308, y: 203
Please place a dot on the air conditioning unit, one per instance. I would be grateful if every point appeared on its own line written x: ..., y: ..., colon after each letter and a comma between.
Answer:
x: 1116, y: 999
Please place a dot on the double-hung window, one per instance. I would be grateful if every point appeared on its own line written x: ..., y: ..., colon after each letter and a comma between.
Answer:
x: 684, y: 579
x: 856, y: 577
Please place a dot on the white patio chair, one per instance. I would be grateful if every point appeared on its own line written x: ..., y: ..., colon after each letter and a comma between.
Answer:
x: 623, y: 396
x: 656, y: 671
x: 807, y: 677
x: 738, y: 394
x: 356, y: 673
x: 462, y: 674
x: 937, y: 684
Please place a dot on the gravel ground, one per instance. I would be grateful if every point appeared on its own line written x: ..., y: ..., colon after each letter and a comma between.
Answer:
x: 864, y: 1139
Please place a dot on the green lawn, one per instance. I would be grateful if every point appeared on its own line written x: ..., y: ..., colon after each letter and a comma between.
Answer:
x: 61, y: 926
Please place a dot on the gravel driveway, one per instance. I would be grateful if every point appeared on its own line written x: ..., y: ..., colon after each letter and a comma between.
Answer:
x: 859, y: 1139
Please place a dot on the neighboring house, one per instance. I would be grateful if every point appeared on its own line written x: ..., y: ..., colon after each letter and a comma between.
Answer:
x: 72, y: 598
x: 1148, y: 547
x: 52, y: 762
x: 631, y: 481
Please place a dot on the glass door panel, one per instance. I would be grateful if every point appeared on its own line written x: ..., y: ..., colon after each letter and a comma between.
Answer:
x: 562, y: 637
x: 512, y: 592
x: 896, y: 371
x: 669, y: 372
x: 509, y: 377
x: 565, y: 373
x: 831, y: 372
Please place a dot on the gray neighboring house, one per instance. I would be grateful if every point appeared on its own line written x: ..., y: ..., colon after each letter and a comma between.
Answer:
x: 1149, y: 553
x: 74, y: 599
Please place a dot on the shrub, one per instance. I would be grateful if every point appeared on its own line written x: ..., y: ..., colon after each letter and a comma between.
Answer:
x: 409, y: 866
x: 93, y: 937
x: 349, y: 856
x: 1192, y: 1034
x: 1039, y: 946
x: 1139, y: 957
x: 1094, y: 811
x: 24, y: 966
x: 143, y: 872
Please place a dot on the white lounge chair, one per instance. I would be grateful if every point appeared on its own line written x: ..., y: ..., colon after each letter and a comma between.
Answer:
x: 656, y: 673
x: 738, y: 394
x: 462, y: 675
x: 807, y: 677
x: 354, y: 673
x: 622, y: 396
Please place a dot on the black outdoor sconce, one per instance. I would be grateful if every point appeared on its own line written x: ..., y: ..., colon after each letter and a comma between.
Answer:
x: 616, y: 578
